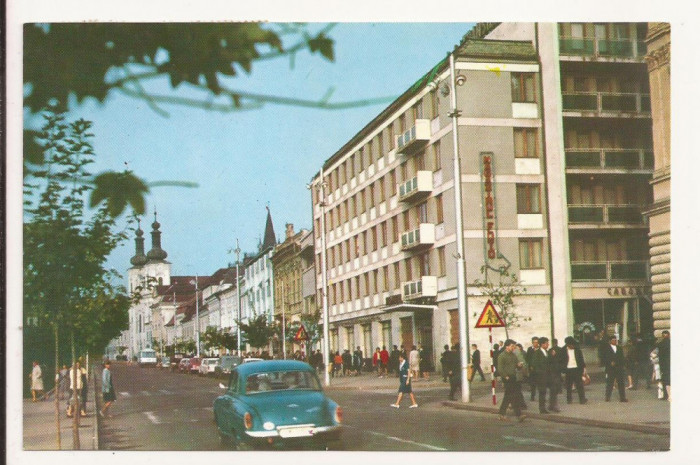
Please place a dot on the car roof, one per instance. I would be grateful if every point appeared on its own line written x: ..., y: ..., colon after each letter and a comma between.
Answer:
x: 272, y: 365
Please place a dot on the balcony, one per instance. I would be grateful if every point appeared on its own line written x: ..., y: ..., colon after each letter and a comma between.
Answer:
x: 606, y: 215
x: 418, y: 187
x: 629, y: 270
x: 422, y: 237
x: 415, y: 138
x: 602, y: 48
x: 607, y: 102
x: 426, y: 286
x: 611, y: 160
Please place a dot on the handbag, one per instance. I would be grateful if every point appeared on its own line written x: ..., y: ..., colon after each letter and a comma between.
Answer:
x: 586, y: 379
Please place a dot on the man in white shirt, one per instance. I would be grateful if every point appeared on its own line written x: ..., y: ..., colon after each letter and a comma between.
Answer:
x: 575, y: 367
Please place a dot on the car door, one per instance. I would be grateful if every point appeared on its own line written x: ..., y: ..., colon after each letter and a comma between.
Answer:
x: 227, y: 414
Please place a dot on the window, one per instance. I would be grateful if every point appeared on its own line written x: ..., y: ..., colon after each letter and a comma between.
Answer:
x: 374, y: 238
x: 419, y: 162
x: 438, y: 209
x: 523, y: 87
x: 441, y: 261
x: 434, y: 103
x: 437, y: 162
x: 418, y: 110
x: 370, y: 200
x: 365, y: 243
x: 406, y: 222
x: 423, y: 213
x: 404, y: 172
x: 361, y: 204
x: 380, y: 146
x: 370, y: 153
x: 525, y: 143
x: 383, y: 235
x: 347, y: 251
x: 390, y: 134
x: 381, y: 190
x: 528, y: 197
x: 361, y: 160
x: 386, y: 278
x: 409, y: 270
x: 392, y: 184
x: 424, y: 264
x: 395, y: 228
x: 375, y: 274
x: 341, y: 170
x: 366, y: 288
x: 530, y: 254
x: 351, y: 167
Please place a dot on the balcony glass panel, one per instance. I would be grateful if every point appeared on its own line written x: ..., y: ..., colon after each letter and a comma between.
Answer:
x: 582, y: 159
x: 619, y: 102
x: 648, y: 159
x: 615, y: 48
x: 629, y: 270
x: 628, y: 159
x: 588, y: 272
x: 580, y: 101
x: 576, y: 46
x: 646, y: 103
x: 625, y: 214
x: 586, y: 214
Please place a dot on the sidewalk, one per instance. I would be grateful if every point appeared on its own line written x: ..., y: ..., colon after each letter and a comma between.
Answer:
x: 39, y: 424
x: 643, y: 413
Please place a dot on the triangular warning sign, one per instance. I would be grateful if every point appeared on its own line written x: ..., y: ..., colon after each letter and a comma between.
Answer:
x: 489, y: 317
x: 301, y: 334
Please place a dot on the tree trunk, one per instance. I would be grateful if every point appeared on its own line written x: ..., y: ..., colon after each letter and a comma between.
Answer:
x: 76, y: 403
x: 57, y: 388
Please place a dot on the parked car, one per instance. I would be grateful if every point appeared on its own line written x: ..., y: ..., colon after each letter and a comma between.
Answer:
x: 276, y: 403
x: 184, y: 366
x: 208, y: 365
x: 165, y: 362
x: 226, y: 363
x: 195, y: 362
x: 147, y: 357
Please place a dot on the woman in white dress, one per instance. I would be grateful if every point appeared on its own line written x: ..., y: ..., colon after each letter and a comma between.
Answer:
x: 37, y: 381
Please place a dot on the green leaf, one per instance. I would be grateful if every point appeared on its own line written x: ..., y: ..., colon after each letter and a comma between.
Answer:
x: 119, y: 190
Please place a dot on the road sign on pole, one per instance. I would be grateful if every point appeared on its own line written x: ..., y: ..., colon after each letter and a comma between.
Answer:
x: 301, y: 334
x: 489, y: 317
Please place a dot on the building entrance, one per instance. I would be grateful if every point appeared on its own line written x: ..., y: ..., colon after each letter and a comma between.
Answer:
x: 595, y: 319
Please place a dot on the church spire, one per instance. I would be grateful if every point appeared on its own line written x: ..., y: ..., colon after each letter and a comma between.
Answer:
x: 139, y: 259
x: 156, y: 253
x: 269, y: 239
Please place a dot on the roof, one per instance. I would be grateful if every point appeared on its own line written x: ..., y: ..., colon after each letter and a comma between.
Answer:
x: 510, y: 49
x: 269, y: 238
x: 272, y: 365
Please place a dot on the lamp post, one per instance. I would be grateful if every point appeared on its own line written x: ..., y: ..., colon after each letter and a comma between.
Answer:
x: 324, y: 281
x: 238, y: 292
x: 196, y: 306
x: 284, y: 324
x: 459, y: 237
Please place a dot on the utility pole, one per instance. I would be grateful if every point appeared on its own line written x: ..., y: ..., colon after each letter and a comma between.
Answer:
x: 459, y: 237
x: 196, y: 304
x: 238, y: 292
x: 324, y: 279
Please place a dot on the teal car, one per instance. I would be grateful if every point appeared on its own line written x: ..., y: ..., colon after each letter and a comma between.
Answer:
x: 276, y: 403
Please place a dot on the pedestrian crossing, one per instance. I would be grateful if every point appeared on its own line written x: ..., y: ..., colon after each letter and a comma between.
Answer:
x: 159, y: 392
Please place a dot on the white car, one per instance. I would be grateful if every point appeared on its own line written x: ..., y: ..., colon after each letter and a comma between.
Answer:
x: 208, y: 366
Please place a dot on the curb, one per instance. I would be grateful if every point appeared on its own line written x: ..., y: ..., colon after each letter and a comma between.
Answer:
x: 571, y: 420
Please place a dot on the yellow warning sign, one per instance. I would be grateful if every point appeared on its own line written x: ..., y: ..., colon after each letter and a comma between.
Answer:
x: 489, y: 317
x: 301, y: 334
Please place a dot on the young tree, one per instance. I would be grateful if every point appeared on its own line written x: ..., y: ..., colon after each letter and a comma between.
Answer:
x: 66, y: 284
x: 501, y: 294
x: 258, y: 331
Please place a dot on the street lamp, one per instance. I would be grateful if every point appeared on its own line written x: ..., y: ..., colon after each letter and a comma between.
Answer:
x: 238, y: 292
x: 459, y: 237
x: 196, y: 306
x: 324, y: 278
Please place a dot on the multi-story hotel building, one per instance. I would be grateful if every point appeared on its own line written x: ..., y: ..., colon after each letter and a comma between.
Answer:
x: 554, y: 136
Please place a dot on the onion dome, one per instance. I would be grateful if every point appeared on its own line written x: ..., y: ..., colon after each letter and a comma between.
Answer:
x: 156, y: 253
x: 139, y: 259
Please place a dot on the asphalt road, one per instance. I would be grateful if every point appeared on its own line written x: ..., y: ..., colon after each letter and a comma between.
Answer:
x: 159, y: 410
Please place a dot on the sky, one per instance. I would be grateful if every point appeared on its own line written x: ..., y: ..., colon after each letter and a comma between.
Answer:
x: 244, y: 161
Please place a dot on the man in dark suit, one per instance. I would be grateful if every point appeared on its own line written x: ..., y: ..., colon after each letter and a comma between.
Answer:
x: 665, y: 362
x: 528, y: 358
x: 453, y: 370
x: 574, y: 367
x: 540, y: 371
x: 476, y: 363
x: 614, y: 362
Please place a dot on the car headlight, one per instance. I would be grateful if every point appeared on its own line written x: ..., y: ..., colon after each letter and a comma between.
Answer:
x: 268, y: 426
x: 338, y: 414
x: 248, y: 420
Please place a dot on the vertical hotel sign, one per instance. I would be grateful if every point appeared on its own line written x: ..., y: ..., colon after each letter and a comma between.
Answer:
x: 488, y: 201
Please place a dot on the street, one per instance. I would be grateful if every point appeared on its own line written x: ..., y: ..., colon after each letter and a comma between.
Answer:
x: 160, y: 410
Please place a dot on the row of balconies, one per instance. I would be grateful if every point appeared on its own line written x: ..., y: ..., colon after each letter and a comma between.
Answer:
x: 602, y: 48
x: 602, y: 271
x: 606, y: 214
x: 598, y: 159
x: 636, y: 103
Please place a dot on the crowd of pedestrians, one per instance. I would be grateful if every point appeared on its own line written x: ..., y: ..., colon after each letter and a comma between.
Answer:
x: 543, y: 365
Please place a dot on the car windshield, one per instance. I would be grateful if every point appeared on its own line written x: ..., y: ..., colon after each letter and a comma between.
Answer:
x: 281, y: 380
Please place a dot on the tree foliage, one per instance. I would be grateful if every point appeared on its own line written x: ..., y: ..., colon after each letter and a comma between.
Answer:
x: 502, y: 294
x: 258, y: 331
x: 66, y: 283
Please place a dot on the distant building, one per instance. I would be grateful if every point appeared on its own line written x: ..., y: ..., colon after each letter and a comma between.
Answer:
x: 287, y: 270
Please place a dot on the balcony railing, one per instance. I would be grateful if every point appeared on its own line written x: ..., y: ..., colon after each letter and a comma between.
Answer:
x: 415, y: 138
x: 606, y: 102
x: 426, y: 286
x: 423, y: 236
x: 606, y: 214
x: 630, y: 270
x: 611, y: 159
x: 603, y: 48
x: 418, y: 186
